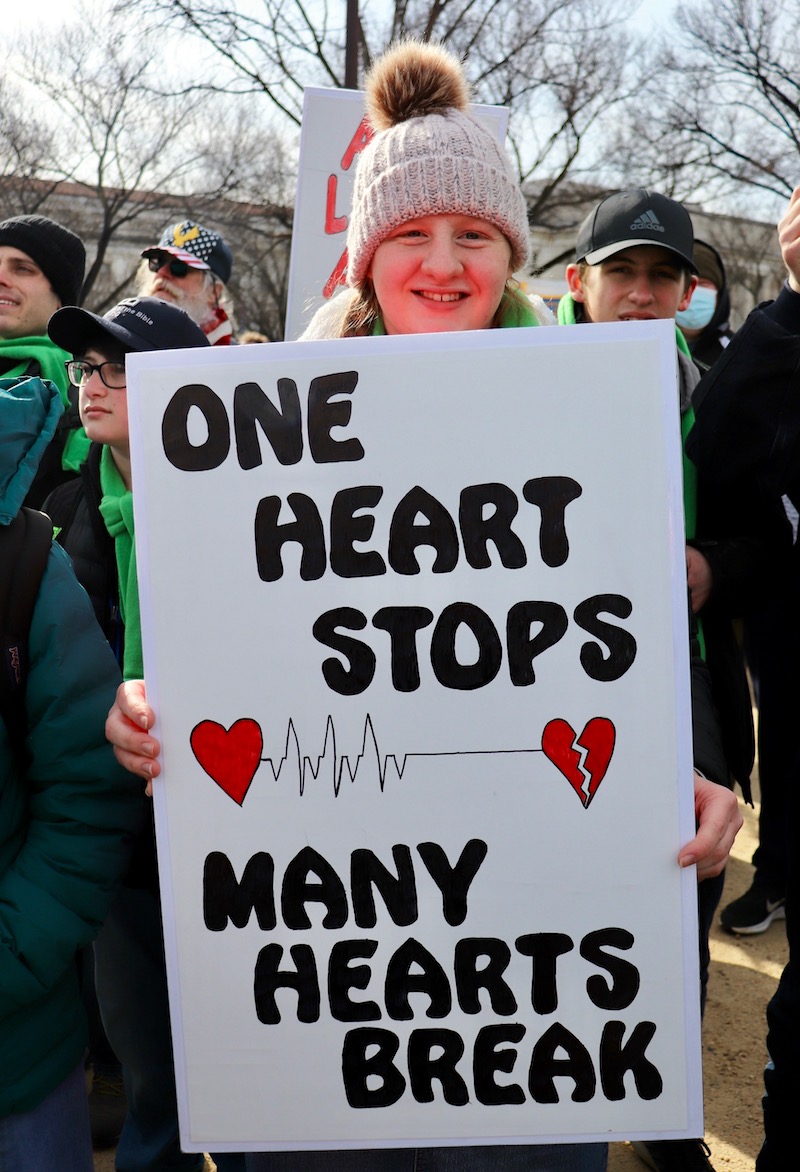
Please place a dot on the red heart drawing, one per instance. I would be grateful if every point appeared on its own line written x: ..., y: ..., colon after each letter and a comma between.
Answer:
x: 229, y: 756
x: 597, y: 739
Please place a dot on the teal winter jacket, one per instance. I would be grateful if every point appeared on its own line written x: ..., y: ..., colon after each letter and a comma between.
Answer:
x: 68, y: 813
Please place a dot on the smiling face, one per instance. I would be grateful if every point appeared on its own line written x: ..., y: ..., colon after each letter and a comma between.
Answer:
x: 27, y: 300
x: 440, y: 273
x: 638, y: 284
x: 104, y: 412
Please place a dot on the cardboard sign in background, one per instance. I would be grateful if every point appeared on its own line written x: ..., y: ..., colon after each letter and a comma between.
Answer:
x: 508, y: 737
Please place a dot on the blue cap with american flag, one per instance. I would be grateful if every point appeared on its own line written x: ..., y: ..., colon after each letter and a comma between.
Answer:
x: 199, y: 247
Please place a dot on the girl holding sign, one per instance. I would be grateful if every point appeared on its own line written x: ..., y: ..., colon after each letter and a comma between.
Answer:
x: 437, y: 228
x: 438, y: 223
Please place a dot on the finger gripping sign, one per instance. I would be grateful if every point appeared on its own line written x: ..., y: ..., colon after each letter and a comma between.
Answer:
x: 415, y: 630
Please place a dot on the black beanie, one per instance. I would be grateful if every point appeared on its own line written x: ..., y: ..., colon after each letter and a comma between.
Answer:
x: 58, y: 252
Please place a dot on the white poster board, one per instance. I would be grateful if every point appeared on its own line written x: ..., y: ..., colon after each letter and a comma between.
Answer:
x: 333, y: 134
x: 424, y: 786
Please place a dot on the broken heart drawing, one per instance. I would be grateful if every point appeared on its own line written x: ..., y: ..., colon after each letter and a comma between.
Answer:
x: 583, y: 759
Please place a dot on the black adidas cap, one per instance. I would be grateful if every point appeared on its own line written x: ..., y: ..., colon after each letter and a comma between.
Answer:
x: 632, y: 217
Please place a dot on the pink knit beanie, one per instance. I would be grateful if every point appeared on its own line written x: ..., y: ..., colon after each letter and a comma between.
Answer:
x: 429, y: 156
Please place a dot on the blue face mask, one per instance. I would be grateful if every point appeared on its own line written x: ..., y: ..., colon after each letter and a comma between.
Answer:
x: 700, y: 309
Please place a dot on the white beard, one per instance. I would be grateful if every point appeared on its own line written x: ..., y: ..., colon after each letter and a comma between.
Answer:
x: 197, y: 305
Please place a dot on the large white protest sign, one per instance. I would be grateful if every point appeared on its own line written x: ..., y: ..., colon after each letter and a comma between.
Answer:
x: 414, y: 623
x: 333, y: 134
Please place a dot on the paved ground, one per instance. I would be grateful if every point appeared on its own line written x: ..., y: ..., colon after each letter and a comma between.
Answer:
x: 744, y: 974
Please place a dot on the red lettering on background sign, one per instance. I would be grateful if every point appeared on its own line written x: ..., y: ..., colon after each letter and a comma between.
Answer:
x: 357, y: 143
x: 337, y: 277
x: 333, y: 223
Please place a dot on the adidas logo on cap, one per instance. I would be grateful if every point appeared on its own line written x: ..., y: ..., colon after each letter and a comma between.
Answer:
x: 635, y: 216
x: 648, y: 221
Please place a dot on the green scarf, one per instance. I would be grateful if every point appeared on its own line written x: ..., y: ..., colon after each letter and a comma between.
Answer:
x: 50, y: 359
x: 116, y: 509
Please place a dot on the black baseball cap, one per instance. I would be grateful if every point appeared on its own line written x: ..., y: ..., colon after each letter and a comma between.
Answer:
x: 632, y: 217
x: 137, y: 323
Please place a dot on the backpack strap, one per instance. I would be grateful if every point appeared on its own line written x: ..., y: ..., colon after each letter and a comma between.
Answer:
x: 24, y: 549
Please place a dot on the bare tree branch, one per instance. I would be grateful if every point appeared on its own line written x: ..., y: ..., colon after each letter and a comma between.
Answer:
x: 547, y: 60
x: 722, y: 113
x: 123, y: 143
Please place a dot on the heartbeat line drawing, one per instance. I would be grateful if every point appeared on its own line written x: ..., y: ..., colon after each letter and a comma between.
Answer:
x: 231, y: 757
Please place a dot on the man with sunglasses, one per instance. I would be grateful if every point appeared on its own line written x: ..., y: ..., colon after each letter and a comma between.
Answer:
x: 190, y: 267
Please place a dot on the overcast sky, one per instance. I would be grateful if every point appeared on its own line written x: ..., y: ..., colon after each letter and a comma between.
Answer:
x: 35, y: 14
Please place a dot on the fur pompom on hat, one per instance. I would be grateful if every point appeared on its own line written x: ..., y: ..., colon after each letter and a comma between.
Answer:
x: 429, y: 156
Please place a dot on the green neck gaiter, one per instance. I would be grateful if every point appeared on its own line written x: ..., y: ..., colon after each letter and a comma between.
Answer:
x: 116, y: 509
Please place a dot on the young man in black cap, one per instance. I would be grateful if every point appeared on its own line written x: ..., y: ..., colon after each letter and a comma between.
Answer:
x: 94, y: 520
x: 99, y: 346
x: 190, y: 267
x: 633, y: 261
x: 41, y: 267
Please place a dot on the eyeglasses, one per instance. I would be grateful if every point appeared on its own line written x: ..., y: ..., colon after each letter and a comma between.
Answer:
x: 177, y: 268
x: 112, y: 374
